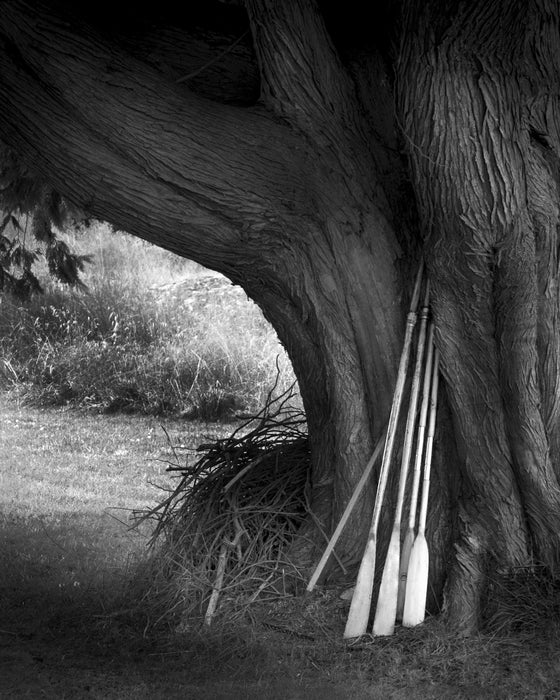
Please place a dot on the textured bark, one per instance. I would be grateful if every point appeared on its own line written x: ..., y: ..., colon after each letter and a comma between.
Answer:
x: 291, y: 181
x: 463, y: 101
x: 215, y: 65
x: 543, y: 185
x: 154, y: 142
x: 278, y: 199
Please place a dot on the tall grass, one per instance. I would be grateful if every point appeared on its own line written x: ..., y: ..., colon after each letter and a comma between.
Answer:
x: 150, y: 333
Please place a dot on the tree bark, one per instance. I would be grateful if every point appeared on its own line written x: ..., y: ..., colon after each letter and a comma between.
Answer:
x: 278, y: 199
x: 463, y: 105
x: 293, y: 184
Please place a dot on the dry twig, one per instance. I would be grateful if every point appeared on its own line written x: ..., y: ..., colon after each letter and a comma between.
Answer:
x: 246, y: 494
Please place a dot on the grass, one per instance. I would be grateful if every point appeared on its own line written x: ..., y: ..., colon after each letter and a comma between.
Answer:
x: 156, y: 336
x: 152, y: 333
x: 76, y: 621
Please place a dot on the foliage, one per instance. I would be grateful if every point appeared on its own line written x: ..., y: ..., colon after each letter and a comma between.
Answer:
x: 32, y: 211
x: 150, y: 334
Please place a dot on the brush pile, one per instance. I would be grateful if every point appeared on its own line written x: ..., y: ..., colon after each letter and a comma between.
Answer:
x: 226, y: 528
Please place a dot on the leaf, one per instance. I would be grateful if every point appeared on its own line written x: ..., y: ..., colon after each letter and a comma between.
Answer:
x: 24, y: 194
x: 5, y: 222
x: 41, y: 228
x: 64, y: 265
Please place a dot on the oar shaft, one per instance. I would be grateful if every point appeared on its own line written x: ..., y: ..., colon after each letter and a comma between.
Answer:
x: 390, y: 599
x: 421, y: 430
x: 429, y: 444
x: 396, y: 405
x: 412, y: 408
x: 343, y: 520
x: 410, y: 535
x: 387, y: 601
x: 419, y: 565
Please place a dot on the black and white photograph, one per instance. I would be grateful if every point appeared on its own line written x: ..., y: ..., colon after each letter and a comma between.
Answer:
x: 280, y: 350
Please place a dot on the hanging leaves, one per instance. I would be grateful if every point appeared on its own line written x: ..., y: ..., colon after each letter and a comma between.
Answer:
x: 32, y: 211
x: 64, y: 265
x: 41, y: 227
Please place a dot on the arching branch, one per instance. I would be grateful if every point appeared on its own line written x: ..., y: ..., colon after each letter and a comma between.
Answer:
x: 110, y: 133
x: 215, y: 65
x: 303, y: 78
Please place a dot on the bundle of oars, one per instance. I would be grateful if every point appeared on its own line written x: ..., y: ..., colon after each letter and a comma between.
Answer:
x: 229, y: 522
x: 403, y: 589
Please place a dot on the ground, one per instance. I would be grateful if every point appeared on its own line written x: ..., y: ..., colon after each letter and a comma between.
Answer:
x: 75, y: 622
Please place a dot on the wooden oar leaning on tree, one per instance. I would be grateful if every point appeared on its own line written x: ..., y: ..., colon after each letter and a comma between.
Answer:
x: 419, y: 564
x: 386, y: 611
x: 358, y: 616
x: 417, y: 473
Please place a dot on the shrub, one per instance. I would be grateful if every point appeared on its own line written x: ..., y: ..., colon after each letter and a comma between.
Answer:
x: 176, y: 340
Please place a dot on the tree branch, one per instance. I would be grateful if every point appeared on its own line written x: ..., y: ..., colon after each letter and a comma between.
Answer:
x: 303, y: 79
x: 113, y: 136
x: 220, y: 67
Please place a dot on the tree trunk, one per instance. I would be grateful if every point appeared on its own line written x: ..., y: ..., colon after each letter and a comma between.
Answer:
x: 345, y: 365
x: 279, y: 200
x: 484, y: 190
x: 302, y: 197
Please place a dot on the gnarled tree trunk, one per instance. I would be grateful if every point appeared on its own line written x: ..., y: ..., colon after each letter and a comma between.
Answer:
x: 485, y: 171
x: 304, y: 198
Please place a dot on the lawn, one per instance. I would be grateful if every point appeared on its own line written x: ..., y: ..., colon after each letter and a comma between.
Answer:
x: 76, y: 621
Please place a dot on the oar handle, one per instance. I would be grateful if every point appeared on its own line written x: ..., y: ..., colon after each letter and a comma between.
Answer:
x: 397, y: 401
x: 421, y: 429
x: 429, y: 444
x: 413, y: 404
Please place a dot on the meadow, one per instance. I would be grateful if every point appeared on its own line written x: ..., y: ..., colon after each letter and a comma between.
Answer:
x: 103, y: 390
x: 79, y: 618
x: 149, y: 333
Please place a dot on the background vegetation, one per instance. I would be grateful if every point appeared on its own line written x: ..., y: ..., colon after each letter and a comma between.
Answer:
x: 150, y: 333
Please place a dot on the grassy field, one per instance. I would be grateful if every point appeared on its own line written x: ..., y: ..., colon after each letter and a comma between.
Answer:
x: 76, y: 621
x: 151, y: 333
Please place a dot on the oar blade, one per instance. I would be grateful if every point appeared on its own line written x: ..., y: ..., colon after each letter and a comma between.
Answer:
x: 386, y: 611
x: 416, y: 584
x: 403, y: 571
x: 357, y: 621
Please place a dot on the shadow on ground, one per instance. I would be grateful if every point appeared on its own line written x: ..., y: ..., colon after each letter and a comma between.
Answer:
x: 71, y: 630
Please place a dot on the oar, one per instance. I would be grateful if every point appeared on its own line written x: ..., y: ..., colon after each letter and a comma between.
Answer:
x: 351, y: 503
x: 356, y: 624
x: 386, y: 611
x: 420, y: 440
x: 418, y: 568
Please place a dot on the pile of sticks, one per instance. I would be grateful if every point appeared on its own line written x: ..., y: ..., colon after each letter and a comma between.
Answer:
x: 404, y: 584
x: 227, y: 526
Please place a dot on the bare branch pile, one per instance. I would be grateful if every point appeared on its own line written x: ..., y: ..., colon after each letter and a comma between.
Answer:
x: 226, y: 529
